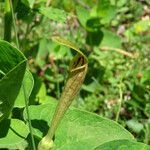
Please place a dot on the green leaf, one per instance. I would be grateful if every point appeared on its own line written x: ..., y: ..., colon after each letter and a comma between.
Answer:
x: 28, y: 83
x: 106, y: 11
x: 141, y: 26
x: 147, y: 109
x: 134, y: 125
x: 92, y: 87
x: 94, y: 38
x: 123, y: 145
x: 120, y: 3
x: 93, y: 24
x: 83, y: 15
x: 42, y: 53
x: 110, y: 39
x: 24, y: 12
x: 69, y: 5
x: 41, y: 95
x: 13, y: 134
x: 28, y: 3
x: 54, y: 14
x: 146, y: 77
x: 13, y: 65
x: 37, y: 85
x: 78, y: 129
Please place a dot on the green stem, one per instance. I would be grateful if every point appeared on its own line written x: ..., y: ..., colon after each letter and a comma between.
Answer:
x: 57, y: 83
x: 58, y: 89
x: 25, y: 38
x: 120, y: 102
x: 115, y: 2
x: 147, y: 134
x: 14, y: 24
x: 24, y: 90
x: 7, y: 21
x: 48, y: 3
x: 29, y: 121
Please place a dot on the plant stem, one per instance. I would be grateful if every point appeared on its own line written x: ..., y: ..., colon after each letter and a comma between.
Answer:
x: 25, y: 38
x: 57, y: 83
x: 115, y: 2
x: 120, y: 103
x: 29, y: 121
x: 48, y: 3
x: 147, y: 133
x: 7, y: 21
x: 14, y: 24
x: 56, y: 77
x: 24, y: 90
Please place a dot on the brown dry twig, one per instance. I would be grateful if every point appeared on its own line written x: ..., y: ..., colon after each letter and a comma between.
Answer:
x: 123, y: 52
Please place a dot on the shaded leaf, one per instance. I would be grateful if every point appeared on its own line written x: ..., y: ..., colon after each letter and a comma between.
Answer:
x: 13, y: 64
x: 42, y: 53
x: 13, y: 134
x: 28, y: 83
x: 123, y: 145
x: 28, y: 3
x: 94, y: 38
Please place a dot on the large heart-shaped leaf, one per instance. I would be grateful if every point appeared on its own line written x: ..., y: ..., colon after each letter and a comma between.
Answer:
x: 123, y: 145
x: 13, y: 134
x: 78, y: 129
x: 12, y: 66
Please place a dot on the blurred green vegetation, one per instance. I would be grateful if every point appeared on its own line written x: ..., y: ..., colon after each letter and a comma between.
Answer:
x: 114, y: 34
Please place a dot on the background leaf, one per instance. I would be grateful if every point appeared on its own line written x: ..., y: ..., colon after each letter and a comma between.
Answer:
x: 54, y: 14
x: 106, y: 11
x: 134, y: 125
x: 110, y: 39
x: 28, y: 3
x: 83, y: 15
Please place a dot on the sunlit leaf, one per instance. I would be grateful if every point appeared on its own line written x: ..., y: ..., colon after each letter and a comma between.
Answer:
x: 78, y: 129
x: 54, y: 14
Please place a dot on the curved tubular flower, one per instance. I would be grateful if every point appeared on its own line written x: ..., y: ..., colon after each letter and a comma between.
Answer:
x: 77, y: 71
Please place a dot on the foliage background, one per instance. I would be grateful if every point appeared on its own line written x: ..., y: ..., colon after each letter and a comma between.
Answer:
x: 115, y: 37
